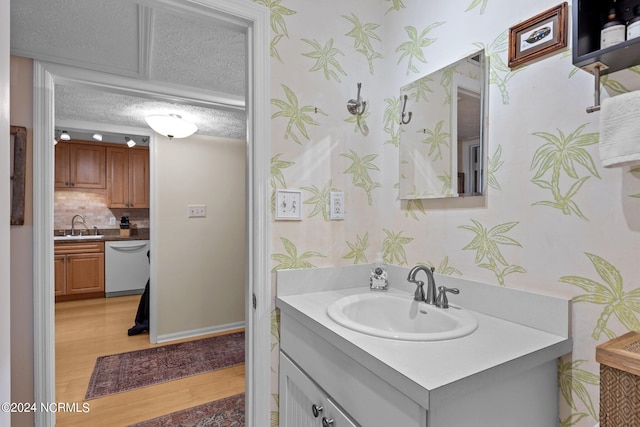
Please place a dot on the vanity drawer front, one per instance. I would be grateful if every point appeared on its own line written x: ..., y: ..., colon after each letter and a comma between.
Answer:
x: 367, y: 399
x: 303, y: 403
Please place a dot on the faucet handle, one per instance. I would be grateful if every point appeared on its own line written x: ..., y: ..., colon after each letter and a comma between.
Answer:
x: 442, y: 301
x: 419, y: 295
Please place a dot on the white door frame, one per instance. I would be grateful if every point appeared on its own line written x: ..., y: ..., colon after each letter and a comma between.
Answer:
x: 258, y: 319
x: 5, y: 237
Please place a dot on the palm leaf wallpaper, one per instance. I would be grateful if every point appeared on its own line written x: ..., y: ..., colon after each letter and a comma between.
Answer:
x: 552, y: 219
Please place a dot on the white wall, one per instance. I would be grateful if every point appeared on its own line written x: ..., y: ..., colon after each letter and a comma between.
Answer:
x: 201, y: 261
x: 21, y: 251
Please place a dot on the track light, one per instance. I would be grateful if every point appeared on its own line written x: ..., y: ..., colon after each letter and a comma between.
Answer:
x: 171, y: 125
x: 65, y: 136
x: 130, y: 142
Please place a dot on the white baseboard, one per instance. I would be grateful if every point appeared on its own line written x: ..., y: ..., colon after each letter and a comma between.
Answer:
x: 199, y: 332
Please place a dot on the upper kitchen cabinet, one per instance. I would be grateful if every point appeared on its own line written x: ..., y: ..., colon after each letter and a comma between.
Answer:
x: 589, y: 18
x: 128, y: 177
x: 80, y: 165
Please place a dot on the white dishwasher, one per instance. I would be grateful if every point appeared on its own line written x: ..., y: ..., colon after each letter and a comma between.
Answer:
x: 126, y: 267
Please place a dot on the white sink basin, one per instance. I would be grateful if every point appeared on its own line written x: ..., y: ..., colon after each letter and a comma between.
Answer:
x: 74, y: 238
x: 401, y: 318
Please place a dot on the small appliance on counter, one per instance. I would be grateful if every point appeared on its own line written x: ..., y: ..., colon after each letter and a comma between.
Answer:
x: 125, y: 227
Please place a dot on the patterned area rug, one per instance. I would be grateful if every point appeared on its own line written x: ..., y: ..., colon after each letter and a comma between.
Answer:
x: 227, y: 412
x: 127, y: 371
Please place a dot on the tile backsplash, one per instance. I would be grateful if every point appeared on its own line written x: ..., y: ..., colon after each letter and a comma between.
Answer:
x: 93, y: 206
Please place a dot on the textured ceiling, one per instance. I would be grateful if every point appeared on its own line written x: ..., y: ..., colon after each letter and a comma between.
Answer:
x: 82, y: 104
x: 122, y: 37
x: 196, y: 53
x: 96, y: 34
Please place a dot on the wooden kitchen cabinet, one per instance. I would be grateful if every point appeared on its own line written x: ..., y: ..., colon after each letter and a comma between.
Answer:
x: 128, y: 177
x: 78, y: 270
x: 80, y: 165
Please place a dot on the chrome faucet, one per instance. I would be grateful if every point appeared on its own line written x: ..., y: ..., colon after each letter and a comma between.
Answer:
x: 430, y: 298
x: 73, y: 224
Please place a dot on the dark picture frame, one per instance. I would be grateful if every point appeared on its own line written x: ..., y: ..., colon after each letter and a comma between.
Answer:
x: 538, y: 36
x: 18, y: 136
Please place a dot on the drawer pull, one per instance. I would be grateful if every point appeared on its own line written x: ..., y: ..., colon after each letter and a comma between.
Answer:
x: 316, y: 409
x: 326, y: 422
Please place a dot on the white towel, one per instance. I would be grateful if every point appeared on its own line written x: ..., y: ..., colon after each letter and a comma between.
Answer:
x: 620, y: 130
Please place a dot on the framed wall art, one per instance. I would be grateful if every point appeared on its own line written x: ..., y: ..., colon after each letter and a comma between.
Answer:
x: 538, y: 36
x: 18, y: 153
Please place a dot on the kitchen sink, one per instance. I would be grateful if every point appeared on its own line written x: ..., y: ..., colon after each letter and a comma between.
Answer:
x: 78, y: 237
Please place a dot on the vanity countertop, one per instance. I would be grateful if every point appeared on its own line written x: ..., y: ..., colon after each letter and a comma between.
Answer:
x: 431, y: 373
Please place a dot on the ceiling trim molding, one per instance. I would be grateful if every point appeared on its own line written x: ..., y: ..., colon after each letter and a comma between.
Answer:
x: 204, y: 9
x: 43, y: 57
x: 148, y: 89
x: 71, y: 125
x: 145, y: 40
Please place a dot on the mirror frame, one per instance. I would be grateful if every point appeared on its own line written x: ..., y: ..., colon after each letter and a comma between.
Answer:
x: 456, y: 83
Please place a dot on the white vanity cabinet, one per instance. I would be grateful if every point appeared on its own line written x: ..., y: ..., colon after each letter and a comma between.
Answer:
x: 503, y: 374
x: 365, y: 398
x: 303, y: 403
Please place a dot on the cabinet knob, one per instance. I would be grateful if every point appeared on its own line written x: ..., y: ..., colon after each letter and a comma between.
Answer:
x: 73, y: 184
x: 326, y: 422
x: 316, y: 409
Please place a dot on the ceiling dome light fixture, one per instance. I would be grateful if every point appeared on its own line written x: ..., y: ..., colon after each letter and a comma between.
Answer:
x: 171, y: 125
x: 65, y: 136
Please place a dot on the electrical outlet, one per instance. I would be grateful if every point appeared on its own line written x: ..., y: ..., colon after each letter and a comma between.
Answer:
x: 196, y: 211
x: 336, y: 205
x: 112, y: 220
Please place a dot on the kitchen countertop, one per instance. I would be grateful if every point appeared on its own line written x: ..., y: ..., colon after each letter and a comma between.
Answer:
x: 431, y: 373
x: 110, y: 235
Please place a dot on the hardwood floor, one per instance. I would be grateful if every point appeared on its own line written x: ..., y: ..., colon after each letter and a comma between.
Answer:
x: 88, y: 329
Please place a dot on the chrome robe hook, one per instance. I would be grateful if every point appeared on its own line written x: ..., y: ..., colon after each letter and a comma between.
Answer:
x: 404, y: 113
x: 357, y: 106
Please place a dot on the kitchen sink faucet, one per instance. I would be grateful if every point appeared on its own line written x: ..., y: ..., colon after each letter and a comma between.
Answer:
x: 73, y: 224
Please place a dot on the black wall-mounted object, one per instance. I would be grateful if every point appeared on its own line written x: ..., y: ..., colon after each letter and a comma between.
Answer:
x: 588, y: 17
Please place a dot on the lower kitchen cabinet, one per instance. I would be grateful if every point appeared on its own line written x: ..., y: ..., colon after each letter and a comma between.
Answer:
x: 79, y: 270
x: 303, y: 403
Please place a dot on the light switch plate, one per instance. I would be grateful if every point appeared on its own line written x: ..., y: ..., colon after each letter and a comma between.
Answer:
x: 289, y: 205
x: 196, y: 211
x: 336, y: 205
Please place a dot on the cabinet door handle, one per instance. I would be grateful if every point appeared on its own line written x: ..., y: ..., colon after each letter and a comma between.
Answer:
x: 316, y: 409
x: 326, y: 422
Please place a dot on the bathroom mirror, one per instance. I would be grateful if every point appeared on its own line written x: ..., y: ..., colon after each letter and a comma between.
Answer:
x: 442, y: 131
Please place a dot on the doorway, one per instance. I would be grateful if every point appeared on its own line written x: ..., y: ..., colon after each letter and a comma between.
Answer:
x: 258, y: 290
